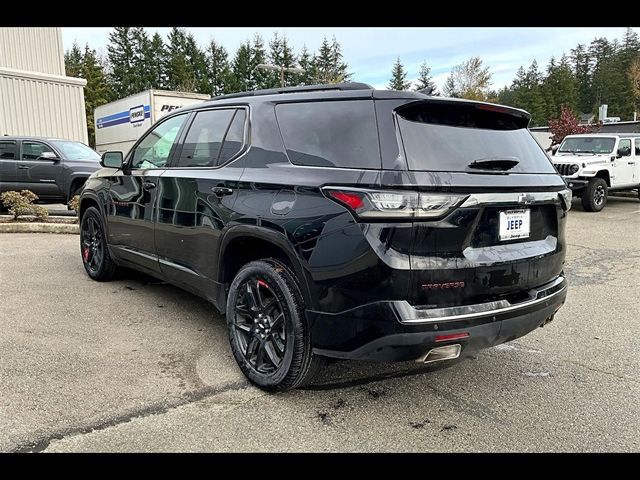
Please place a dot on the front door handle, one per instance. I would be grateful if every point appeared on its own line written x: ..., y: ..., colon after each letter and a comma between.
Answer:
x: 148, y: 185
x: 23, y: 167
x: 221, y: 191
x: 631, y: 163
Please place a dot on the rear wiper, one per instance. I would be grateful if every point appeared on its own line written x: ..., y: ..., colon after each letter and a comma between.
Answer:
x: 494, y: 164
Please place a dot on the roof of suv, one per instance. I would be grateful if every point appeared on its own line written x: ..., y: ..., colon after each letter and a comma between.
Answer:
x: 336, y: 91
x: 30, y: 137
x: 612, y: 134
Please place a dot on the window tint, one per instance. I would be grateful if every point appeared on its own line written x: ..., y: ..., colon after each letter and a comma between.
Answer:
x: 7, y: 150
x: 34, y: 150
x: 330, y: 134
x: 234, y: 139
x: 202, y: 144
x: 637, y: 146
x: 437, y: 147
x: 153, y: 151
x: 624, y: 147
x: 76, y: 151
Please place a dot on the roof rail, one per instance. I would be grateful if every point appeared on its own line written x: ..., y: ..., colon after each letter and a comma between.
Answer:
x: 304, y: 88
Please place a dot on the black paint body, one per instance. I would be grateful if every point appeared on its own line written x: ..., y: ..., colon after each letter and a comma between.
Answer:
x: 350, y: 272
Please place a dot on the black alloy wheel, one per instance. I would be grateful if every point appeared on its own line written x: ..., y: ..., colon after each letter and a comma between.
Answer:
x: 259, y: 325
x: 93, y: 247
x: 267, y: 327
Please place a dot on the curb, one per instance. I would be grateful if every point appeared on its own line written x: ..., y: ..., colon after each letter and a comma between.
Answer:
x: 71, y: 228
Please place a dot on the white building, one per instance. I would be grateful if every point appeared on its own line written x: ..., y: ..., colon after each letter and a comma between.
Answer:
x: 36, y: 98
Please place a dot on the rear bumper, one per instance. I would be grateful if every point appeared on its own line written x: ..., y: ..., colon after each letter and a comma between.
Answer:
x: 396, y: 331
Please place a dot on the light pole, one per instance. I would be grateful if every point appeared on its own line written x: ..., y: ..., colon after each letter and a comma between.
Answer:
x: 266, y: 66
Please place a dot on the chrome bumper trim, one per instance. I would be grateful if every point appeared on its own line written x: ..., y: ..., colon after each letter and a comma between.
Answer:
x: 412, y: 316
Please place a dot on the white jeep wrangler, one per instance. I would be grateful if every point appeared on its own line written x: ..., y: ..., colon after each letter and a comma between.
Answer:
x: 594, y: 164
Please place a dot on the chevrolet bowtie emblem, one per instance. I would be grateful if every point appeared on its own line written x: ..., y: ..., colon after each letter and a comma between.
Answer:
x: 525, y: 199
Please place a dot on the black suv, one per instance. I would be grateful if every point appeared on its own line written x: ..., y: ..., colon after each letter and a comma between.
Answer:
x: 340, y: 221
x: 52, y: 168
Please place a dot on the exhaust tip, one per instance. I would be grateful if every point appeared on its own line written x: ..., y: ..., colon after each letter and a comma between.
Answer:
x: 447, y: 352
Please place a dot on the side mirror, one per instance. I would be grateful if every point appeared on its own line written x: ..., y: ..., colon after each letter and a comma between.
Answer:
x: 49, y: 156
x: 623, y: 152
x: 112, y: 159
x: 554, y: 149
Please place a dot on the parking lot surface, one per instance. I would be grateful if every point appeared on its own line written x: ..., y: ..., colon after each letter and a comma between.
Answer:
x: 138, y: 365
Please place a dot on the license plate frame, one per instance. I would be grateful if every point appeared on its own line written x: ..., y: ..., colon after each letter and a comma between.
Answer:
x: 514, y: 224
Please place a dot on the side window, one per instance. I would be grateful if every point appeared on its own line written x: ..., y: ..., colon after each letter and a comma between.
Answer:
x: 235, y: 138
x: 204, y: 139
x: 330, y: 134
x: 153, y: 151
x: 637, y: 147
x: 34, y: 150
x: 624, y: 147
x: 7, y: 150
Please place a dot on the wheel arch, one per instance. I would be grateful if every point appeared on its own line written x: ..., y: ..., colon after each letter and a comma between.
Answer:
x: 242, y: 244
x: 604, y: 174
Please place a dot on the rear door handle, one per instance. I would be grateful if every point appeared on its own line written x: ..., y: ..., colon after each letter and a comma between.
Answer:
x: 148, y: 185
x: 631, y: 163
x: 222, y: 191
x: 23, y: 167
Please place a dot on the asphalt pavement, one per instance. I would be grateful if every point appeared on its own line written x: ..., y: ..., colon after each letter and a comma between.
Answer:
x: 138, y: 365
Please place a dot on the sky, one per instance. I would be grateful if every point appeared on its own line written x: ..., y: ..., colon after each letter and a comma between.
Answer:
x: 371, y: 52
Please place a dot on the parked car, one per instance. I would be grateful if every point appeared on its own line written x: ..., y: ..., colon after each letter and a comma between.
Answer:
x: 595, y: 164
x: 52, y: 168
x: 339, y: 221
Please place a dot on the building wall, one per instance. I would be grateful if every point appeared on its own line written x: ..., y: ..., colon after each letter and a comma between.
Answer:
x: 36, y: 98
x: 42, y: 105
x: 32, y: 49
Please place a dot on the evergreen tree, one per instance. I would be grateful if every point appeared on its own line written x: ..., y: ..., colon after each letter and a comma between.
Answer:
x: 281, y: 54
x: 306, y: 62
x: 258, y: 78
x: 73, y: 61
x: 241, y: 70
x: 425, y: 81
x: 197, y: 61
x: 329, y: 67
x: 180, y: 75
x: 339, y: 67
x: 218, y: 70
x: 155, y: 62
x: 97, y: 91
x: 398, y: 77
x: 560, y: 87
x: 120, y: 51
x: 581, y: 69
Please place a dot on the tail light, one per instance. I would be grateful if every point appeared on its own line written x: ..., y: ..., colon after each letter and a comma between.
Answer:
x: 387, y: 205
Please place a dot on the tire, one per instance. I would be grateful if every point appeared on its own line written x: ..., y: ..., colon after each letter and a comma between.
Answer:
x: 267, y: 329
x: 595, y: 195
x: 94, y: 250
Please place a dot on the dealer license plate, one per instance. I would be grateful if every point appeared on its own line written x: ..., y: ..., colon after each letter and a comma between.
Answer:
x: 515, y: 224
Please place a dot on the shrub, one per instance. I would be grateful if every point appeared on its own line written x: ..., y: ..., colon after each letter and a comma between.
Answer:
x: 74, y: 204
x: 21, y: 203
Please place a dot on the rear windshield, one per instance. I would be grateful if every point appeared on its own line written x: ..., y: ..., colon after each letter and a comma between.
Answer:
x: 450, y: 137
x: 330, y: 134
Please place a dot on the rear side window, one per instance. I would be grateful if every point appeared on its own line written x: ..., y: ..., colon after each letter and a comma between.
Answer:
x: 7, y: 150
x: 637, y: 146
x: 330, y: 134
x: 448, y: 137
x: 234, y: 139
x: 204, y: 140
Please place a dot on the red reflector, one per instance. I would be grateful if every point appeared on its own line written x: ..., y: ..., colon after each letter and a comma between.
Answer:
x: 352, y: 200
x: 451, y: 336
